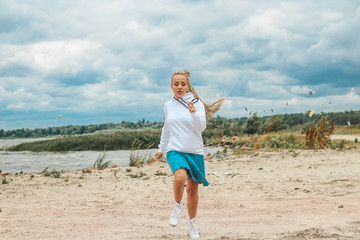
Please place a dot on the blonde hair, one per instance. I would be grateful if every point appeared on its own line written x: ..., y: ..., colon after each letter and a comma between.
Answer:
x: 210, y: 109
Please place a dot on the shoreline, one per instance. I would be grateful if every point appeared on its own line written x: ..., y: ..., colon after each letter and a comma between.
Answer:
x: 69, y: 161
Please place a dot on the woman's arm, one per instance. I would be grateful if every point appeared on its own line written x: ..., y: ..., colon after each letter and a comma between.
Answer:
x: 199, y: 116
x: 165, y: 134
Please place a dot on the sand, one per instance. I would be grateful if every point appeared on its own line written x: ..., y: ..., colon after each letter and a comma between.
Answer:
x: 300, y: 194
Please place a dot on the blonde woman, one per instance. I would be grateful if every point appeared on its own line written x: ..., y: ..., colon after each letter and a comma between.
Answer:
x: 185, y: 119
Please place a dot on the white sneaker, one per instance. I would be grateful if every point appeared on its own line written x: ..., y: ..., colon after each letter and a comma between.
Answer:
x: 192, y: 228
x: 175, y: 215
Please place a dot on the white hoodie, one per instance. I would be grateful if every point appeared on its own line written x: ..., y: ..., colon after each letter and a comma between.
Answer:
x: 182, y: 129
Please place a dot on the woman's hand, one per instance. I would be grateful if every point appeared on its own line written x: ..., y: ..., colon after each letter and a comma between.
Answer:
x: 191, y: 107
x: 158, y: 155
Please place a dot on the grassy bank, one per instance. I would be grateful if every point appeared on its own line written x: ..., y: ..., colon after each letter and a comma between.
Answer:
x: 121, y: 140
x: 231, y: 137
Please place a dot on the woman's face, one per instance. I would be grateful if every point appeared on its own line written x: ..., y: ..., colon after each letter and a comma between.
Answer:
x: 179, y: 85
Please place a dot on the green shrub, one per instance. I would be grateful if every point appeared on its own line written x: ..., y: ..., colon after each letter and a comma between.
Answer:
x: 100, y: 163
x: 136, y: 157
x: 87, y: 170
x: 5, y: 181
x: 342, y: 145
x: 53, y: 173
x: 337, y: 144
x: 141, y: 174
x: 284, y: 141
x: 160, y: 173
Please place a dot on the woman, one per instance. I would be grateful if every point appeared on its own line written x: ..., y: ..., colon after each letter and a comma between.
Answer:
x: 185, y: 119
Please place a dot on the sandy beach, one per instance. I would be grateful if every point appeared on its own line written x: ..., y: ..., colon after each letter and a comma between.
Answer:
x: 300, y: 194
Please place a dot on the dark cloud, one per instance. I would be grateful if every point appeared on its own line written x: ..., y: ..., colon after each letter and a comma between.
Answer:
x: 17, y: 71
x: 333, y: 75
x: 85, y: 76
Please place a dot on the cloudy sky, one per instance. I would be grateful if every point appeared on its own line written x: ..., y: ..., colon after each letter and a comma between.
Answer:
x: 107, y: 61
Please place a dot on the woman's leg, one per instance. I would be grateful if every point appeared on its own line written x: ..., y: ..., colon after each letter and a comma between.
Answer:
x: 180, y: 176
x: 192, y: 188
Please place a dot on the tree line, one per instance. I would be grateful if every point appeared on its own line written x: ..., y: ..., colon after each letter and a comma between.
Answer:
x: 217, y: 126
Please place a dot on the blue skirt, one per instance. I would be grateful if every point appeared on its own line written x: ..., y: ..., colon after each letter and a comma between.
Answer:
x: 193, y: 163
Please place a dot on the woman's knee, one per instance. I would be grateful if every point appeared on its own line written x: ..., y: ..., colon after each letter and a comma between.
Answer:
x: 180, y: 176
x: 192, y: 188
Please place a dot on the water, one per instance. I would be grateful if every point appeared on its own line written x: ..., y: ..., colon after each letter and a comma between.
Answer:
x: 36, y: 162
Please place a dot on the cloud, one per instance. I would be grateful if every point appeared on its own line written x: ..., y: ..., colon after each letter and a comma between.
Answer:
x: 114, y: 59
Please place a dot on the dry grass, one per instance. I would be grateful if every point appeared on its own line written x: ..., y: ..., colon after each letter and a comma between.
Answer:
x: 263, y: 137
x: 315, y: 138
x: 100, y: 162
x: 136, y: 157
x: 319, y: 137
x: 344, y: 130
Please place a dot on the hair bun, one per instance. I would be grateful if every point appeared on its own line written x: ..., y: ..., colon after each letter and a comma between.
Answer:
x: 182, y: 72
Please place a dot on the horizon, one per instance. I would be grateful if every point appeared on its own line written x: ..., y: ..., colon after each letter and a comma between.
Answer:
x: 267, y: 57
x: 146, y: 120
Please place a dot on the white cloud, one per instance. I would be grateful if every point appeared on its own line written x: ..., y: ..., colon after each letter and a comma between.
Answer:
x: 132, y: 25
x: 65, y: 55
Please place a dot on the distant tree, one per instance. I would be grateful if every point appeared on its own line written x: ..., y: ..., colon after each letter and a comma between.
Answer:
x: 82, y: 130
x: 225, y: 126
x: 278, y: 124
x: 253, y: 124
